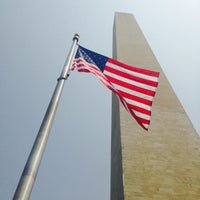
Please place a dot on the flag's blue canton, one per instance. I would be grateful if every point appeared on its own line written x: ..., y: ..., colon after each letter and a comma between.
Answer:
x: 92, y: 57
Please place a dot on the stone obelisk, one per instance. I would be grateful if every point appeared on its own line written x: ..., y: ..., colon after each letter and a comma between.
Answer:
x: 163, y: 163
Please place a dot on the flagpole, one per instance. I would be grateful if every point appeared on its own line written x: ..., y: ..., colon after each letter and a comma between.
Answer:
x: 29, y: 174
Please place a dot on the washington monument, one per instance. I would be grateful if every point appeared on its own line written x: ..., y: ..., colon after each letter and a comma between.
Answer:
x: 163, y: 163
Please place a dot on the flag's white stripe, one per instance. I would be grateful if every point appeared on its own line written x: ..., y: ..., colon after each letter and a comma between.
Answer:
x: 95, y: 70
x: 85, y: 64
x: 137, y: 74
x: 142, y: 115
x: 138, y: 104
x: 132, y: 82
x: 145, y: 125
x: 132, y: 92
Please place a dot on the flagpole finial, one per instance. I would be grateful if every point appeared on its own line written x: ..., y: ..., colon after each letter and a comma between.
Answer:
x: 76, y: 37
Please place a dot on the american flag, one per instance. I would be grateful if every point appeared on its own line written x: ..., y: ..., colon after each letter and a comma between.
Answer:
x: 134, y: 87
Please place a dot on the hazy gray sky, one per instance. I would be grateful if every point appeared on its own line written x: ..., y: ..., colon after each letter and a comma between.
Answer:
x: 35, y: 38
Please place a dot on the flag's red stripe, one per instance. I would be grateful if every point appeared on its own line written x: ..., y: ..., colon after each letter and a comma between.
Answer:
x: 140, y: 121
x: 134, y: 69
x: 131, y: 87
x: 135, y: 98
x: 83, y: 70
x: 144, y: 121
x: 131, y: 77
x: 139, y: 109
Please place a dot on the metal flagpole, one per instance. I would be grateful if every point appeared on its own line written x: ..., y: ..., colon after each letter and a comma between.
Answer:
x: 29, y: 174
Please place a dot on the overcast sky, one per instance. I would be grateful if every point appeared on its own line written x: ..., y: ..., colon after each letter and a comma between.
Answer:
x: 35, y: 38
